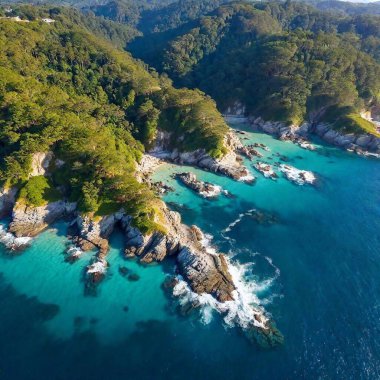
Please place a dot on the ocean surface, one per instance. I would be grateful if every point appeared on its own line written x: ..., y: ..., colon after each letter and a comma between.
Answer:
x: 311, y: 260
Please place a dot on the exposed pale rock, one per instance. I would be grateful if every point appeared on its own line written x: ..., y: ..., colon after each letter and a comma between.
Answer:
x: 365, y: 144
x: 40, y: 163
x: 300, y: 177
x: 29, y: 221
x: 147, y: 165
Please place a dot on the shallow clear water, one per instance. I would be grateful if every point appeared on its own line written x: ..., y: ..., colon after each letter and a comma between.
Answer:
x: 316, y: 271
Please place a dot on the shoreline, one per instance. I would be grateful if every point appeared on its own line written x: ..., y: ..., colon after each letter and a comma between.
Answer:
x: 365, y: 144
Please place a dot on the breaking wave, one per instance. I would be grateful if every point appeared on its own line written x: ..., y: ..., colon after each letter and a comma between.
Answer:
x: 238, y: 220
x: 12, y: 242
x: 245, y: 310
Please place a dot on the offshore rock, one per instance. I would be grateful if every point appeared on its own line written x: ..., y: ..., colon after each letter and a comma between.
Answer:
x: 204, y: 189
x: 206, y: 273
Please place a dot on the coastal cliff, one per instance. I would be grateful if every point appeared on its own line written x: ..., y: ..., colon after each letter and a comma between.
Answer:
x: 30, y: 221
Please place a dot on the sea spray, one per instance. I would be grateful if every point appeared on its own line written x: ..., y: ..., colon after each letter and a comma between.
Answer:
x: 73, y: 253
x: 244, y: 311
x: 12, y: 242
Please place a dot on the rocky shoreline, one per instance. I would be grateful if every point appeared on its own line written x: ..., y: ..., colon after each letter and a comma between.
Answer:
x: 363, y: 144
x: 205, y: 272
x: 229, y: 165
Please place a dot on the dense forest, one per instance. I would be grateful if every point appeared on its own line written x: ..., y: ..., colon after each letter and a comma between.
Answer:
x: 64, y: 89
x: 284, y: 61
x: 69, y: 87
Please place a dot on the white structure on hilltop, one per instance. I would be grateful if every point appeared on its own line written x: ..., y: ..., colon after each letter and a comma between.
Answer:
x: 48, y: 20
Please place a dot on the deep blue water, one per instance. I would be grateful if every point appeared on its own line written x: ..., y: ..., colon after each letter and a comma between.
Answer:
x: 316, y: 270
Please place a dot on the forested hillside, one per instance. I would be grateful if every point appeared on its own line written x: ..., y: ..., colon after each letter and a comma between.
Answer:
x: 283, y: 61
x: 64, y: 90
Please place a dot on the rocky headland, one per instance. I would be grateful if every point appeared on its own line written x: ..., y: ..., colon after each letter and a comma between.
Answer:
x: 205, y: 271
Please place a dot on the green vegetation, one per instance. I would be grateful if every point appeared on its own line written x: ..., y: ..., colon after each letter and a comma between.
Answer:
x: 65, y: 90
x: 348, y: 121
x: 38, y: 191
x: 284, y: 61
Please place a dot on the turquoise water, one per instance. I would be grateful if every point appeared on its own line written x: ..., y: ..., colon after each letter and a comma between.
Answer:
x: 315, y: 271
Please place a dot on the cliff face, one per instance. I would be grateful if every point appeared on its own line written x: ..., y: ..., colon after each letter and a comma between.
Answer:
x: 40, y: 163
x: 30, y: 221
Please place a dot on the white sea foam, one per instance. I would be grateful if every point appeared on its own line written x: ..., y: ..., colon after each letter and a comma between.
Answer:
x: 12, y: 242
x: 99, y: 266
x: 213, y: 191
x: 74, y: 252
x: 247, y: 178
x: 300, y: 177
x: 238, y: 220
x: 245, y: 310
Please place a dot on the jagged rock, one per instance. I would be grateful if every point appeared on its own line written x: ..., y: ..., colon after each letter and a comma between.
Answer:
x: 204, y: 270
x: 363, y: 141
x: 206, y: 273
x: 205, y: 189
x: 93, y: 234
x: 365, y: 144
x: 29, y: 221
x: 95, y: 273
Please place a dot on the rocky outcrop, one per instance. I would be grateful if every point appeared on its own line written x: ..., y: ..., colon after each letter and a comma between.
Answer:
x: 91, y: 234
x: 146, y: 166
x: 30, y: 221
x: 365, y: 144
x: 297, y: 176
x: 249, y: 151
x: 7, y: 200
x: 230, y: 164
x: 206, y: 273
x: 40, y: 163
x: 204, y: 270
x: 279, y: 129
x: 204, y: 189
